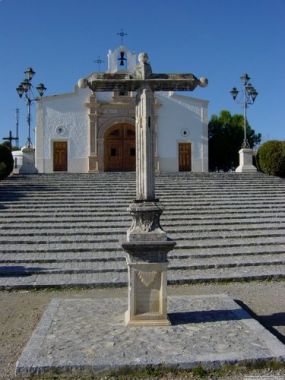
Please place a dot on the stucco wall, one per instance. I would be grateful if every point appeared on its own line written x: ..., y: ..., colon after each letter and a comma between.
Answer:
x: 63, y: 118
x: 182, y: 119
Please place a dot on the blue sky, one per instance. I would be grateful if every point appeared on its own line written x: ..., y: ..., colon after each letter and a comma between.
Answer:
x: 218, y: 39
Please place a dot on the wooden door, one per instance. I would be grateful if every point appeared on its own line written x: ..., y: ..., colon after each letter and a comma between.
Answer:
x: 60, y: 156
x: 114, y: 155
x: 184, y: 157
x: 120, y: 148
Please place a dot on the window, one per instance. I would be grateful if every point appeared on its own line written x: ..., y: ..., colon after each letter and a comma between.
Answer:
x: 130, y: 133
x: 115, y: 133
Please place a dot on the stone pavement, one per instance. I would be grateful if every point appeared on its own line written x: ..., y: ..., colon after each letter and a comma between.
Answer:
x: 90, y: 334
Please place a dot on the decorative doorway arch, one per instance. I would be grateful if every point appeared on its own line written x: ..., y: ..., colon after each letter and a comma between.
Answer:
x: 120, y: 148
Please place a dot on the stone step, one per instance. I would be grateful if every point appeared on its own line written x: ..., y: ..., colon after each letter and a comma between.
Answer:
x: 79, y: 266
x: 120, y: 228
x: 116, y: 206
x: 47, y: 183
x: 20, y: 256
x: 176, y: 212
x: 81, y: 182
x: 259, y: 272
x: 115, y: 250
x: 162, y: 177
x: 104, y: 221
x: 129, y: 188
x: 104, y: 279
x: 227, y: 227
x: 121, y: 198
x: 187, y: 239
x: 44, y: 236
x: 247, y: 245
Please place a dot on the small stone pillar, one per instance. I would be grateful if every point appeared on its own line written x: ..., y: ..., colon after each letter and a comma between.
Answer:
x: 147, y: 246
x: 28, y: 166
x: 245, y: 161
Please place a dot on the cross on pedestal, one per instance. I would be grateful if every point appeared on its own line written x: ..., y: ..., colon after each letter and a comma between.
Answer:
x: 147, y: 244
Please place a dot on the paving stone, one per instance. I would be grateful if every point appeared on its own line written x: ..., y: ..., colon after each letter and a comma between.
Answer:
x: 90, y: 333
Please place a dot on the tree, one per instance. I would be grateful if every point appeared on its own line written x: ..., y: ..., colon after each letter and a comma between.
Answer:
x: 6, y: 161
x: 225, y: 139
x: 7, y: 144
x: 271, y: 158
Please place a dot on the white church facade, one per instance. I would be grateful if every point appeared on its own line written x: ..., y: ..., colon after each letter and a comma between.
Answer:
x: 83, y: 132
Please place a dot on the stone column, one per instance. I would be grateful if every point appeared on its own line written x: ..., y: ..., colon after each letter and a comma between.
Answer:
x: 93, y: 121
x: 147, y: 244
x: 145, y: 185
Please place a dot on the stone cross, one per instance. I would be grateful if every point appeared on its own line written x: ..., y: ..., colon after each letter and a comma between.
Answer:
x: 10, y: 138
x: 147, y: 244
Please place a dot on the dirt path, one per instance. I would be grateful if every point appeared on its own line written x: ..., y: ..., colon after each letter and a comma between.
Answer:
x: 20, y: 311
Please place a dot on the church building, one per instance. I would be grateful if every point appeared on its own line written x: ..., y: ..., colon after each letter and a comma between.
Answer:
x: 82, y: 131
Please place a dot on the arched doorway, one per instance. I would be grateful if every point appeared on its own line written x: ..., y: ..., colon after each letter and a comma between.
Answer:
x: 120, y: 148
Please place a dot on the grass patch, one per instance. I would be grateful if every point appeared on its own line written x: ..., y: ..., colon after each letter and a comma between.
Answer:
x: 162, y: 372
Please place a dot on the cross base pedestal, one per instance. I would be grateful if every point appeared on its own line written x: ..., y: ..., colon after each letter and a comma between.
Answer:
x: 147, y: 294
x: 147, y: 247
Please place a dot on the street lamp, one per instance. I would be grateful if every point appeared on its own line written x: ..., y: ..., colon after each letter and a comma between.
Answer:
x: 26, y: 88
x: 248, y: 96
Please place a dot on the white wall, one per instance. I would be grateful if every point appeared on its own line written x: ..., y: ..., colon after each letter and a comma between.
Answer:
x: 177, y: 115
x: 63, y: 118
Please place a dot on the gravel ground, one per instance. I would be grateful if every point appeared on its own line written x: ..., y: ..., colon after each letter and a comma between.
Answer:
x: 21, y: 310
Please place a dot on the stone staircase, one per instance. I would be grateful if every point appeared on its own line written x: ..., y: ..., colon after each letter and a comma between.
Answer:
x: 61, y: 230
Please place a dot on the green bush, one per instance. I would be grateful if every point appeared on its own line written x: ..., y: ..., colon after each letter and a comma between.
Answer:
x: 6, y: 162
x: 271, y: 158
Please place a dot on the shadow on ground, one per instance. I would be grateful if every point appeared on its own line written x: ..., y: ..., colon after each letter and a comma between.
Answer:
x: 268, y: 321
x: 206, y: 316
x: 19, y: 271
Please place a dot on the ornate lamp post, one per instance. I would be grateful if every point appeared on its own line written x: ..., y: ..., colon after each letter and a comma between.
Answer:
x: 248, y: 96
x: 26, y: 88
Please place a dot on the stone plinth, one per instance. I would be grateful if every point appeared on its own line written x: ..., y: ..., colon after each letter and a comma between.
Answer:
x: 89, y: 334
x: 147, y: 246
x: 28, y: 166
x: 245, y: 161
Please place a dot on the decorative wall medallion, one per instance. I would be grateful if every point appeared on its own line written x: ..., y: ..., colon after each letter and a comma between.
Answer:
x: 185, y: 132
x: 60, y: 130
x: 147, y: 278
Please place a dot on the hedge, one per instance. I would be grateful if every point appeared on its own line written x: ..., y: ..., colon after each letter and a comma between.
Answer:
x: 271, y: 158
x: 6, y: 162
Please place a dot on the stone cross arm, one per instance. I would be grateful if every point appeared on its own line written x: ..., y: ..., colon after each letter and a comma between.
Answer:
x: 157, y: 82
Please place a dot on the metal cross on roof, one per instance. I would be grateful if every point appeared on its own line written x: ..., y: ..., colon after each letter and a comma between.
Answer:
x: 99, y: 61
x: 122, y: 34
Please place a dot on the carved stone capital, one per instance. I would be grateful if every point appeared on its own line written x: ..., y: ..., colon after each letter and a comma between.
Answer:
x: 146, y: 222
